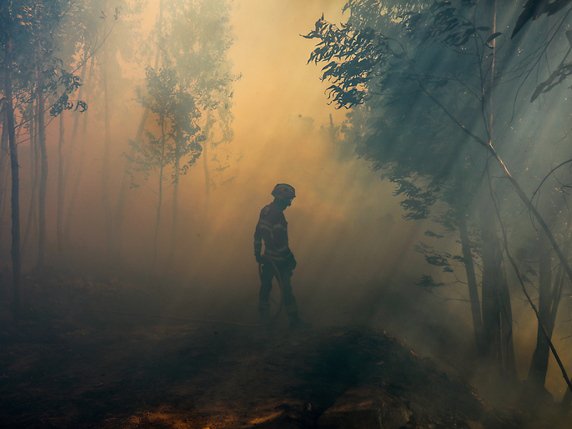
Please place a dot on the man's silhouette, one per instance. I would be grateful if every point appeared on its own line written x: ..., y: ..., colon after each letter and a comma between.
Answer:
x: 278, y: 260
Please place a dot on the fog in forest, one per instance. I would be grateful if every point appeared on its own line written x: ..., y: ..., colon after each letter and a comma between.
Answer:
x: 375, y: 239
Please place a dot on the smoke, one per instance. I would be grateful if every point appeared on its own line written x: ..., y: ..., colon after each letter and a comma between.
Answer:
x: 357, y: 262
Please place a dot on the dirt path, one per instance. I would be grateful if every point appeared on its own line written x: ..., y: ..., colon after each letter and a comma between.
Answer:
x: 110, y: 359
x: 125, y: 375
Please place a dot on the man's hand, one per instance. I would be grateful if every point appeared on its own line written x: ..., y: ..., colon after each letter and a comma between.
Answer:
x: 292, y: 261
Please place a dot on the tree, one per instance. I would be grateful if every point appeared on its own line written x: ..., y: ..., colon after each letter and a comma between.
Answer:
x: 192, y: 41
x: 7, y: 41
x: 107, y: 36
x: 176, y: 114
x: 32, y: 76
x: 436, y: 65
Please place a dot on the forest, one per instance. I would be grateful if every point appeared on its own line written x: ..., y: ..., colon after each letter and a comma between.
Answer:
x: 429, y: 143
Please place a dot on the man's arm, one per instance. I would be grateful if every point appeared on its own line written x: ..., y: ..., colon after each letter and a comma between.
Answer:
x: 263, y: 228
x: 258, y: 243
x: 281, y: 249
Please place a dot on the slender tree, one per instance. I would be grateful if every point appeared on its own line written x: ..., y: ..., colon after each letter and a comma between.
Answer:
x: 179, y: 136
x: 193, y: 41
x: 8, y: 45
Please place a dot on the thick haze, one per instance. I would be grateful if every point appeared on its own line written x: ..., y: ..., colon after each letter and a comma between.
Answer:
x: 345, y: 227
x: 356, y: 255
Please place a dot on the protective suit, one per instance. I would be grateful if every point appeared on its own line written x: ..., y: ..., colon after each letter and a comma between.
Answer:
x: 277, y: 261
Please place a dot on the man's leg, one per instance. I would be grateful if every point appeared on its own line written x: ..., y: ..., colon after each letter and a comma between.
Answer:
x: 288, y: 298
x: 265, y: 288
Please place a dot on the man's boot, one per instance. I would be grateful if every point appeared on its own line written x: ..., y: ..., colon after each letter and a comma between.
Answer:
x: 297, y: 323
x: 264, y: 313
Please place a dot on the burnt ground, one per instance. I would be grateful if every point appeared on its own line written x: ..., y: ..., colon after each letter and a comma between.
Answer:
x: 82, y: 357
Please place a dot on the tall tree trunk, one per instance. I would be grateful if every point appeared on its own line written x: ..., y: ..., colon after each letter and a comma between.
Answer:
x: 71, y: 155
x: 32, y: 218
x: 14, y: 167
x: 497, y: 312
x: 105, y: 168
x: 4, y: 165
x: 79, y: 163
x: 472, y: 284
x: 43, y: 181
x: 60, y: 201
x: 15, y: 198
x: 550, y: 292
x: 539, y: 365
x: 206, y: 170
x: 122, y: 196
x: 175, y: 207
x: 160, y: 199
x: 497, y: 316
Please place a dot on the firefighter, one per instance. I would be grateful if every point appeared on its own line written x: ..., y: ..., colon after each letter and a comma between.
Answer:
x: 278, y: 261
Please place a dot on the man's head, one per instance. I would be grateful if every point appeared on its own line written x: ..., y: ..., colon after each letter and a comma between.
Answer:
x: 283, y: 195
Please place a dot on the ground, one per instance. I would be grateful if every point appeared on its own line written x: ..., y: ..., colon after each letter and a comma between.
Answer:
x: 92, y: 357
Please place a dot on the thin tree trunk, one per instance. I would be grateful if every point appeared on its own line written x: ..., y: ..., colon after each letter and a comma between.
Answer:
x: 206, y: 170
x: 105, y: 169
x: 555, y: 298
x: 175, y: 207
x: 14, y: 200
x: 122, y: 196
x: 14, y: 167
x: 497, y: 313
x: 32, y: 218
x: 43, y: 180
x: 71, y: 152
x: 497, y: 318
x: 539, y: 365
x: 79, y: 164
x: 471, y: 283
x: 491, y: 311
x: 160, y: 202
x: 60, y: 201
x: 158, y: 217
x: 4, y: 163
x: 550, y: 293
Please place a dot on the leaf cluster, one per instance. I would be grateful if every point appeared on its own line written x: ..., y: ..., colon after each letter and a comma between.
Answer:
x: 30, y: 52
x: 390, y: 62
x: 176, y: 114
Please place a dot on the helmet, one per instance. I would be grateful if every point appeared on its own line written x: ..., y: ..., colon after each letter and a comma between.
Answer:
x: 283, y: 191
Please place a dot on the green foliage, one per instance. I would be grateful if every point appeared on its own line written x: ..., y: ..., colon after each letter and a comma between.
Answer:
x: 68, y: 83
x: 176, y: 114
x: 34, y: 29
x: 406, y: 69
x: 191, y: 93
x: 443, y: 260
x: 556, y: 77
x: 417, y: 77
x: 426, y: 281
x: 199, y: 54
x: 535, y: 8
